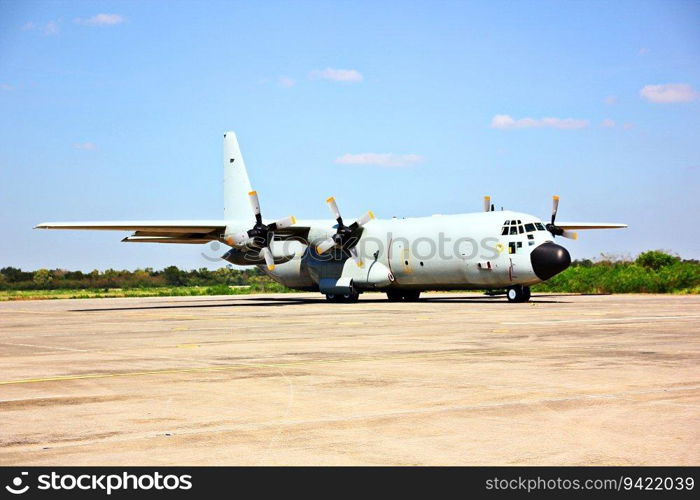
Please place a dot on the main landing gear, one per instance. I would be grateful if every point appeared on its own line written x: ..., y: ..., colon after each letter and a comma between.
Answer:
x: 518, y: 293
x: 348, y: 297
x: 403, y: 295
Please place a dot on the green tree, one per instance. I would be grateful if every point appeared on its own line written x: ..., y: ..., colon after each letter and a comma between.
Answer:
x: 12, y: 274
x: 656, y: 259
x: 42, y: 278
x: 173, y: 276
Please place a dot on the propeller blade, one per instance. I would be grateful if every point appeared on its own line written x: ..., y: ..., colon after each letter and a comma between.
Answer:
x: 365, y: 218
x: 487, y: 203
x: 555, y: 207
x: 254, y: 202
x: 240, y: 239
x: 572, y: 235
x: 269, y: 259
x: 356, y: 257
x: 325, y: 245
x: 286, y: 222
x: 334, y: 207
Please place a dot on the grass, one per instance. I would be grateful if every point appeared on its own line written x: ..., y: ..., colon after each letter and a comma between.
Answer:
x: 166, y: 291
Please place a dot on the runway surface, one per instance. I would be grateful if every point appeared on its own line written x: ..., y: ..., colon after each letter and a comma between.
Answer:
x: 291, y: 379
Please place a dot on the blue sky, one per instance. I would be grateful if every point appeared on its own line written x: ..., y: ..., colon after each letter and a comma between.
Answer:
x: 115, y: 110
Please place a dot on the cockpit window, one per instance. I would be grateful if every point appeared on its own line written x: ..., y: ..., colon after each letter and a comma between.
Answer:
x: 512, y: 227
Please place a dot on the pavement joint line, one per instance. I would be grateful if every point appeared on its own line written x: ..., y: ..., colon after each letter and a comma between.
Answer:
x: 215, y: 368
x: 45, y: 347
x: 600, y: 320
x: 170, y: 371
x: 379, y: 415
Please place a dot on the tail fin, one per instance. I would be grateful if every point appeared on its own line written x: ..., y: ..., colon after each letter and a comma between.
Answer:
x: 236, y: 182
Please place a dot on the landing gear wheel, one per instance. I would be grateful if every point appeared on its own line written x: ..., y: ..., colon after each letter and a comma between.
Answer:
x: 518, y: 293
x: 403, y: 296
x: 352, y: 296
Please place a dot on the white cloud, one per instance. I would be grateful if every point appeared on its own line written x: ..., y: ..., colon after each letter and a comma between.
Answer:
x: 336, y: 75
x: 608, y: 123
x: 508, y: 122
x: 101, y: 20
x: 380, y: 159
x: 85, y: 146
x: 668, y: 93
x: 50, y: 28
x: 285, y: 81
x: 610, y: 100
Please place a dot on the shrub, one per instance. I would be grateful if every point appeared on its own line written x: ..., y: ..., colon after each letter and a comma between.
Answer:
x: 656, y: 259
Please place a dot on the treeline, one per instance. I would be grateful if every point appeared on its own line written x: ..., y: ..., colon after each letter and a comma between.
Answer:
x: 651, y: 272
x: 12, y: 278
x: 654, y: 271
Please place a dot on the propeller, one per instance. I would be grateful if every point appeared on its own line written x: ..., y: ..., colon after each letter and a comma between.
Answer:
x: 345, y: 236
x: 553, y: 228
x: 260, y: 236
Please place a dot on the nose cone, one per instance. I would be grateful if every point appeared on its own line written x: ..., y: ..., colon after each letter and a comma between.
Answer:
x: 549, y: 259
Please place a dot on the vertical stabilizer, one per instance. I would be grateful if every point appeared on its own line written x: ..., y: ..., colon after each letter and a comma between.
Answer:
x: 236, y: 182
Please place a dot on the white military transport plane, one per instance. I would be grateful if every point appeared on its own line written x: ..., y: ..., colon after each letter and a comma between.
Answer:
x: 486, y: 250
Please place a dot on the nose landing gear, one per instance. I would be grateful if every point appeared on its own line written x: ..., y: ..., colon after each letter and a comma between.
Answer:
x: 518, y: 293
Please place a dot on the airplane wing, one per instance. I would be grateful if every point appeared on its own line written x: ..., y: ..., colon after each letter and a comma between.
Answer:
x: 590, y: 225
x: 178, y: 231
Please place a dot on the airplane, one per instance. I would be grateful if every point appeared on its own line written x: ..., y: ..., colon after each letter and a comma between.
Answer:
x: 402, y: 257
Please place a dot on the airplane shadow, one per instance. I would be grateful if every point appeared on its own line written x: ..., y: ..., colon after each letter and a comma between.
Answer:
x: 295, y: 301
x: 237, y: 303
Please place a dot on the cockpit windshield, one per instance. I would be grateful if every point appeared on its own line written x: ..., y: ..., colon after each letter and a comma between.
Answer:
x: 511, y: 227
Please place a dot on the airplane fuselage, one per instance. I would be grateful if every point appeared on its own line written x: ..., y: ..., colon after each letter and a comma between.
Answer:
x: 463, y: 251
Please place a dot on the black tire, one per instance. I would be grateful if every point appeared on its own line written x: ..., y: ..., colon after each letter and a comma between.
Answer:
x: 518, y: 293
x: 403, y: 295
x: 350, y: 297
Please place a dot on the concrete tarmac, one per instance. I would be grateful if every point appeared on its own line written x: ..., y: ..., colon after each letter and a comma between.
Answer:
x: 292, y: 379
